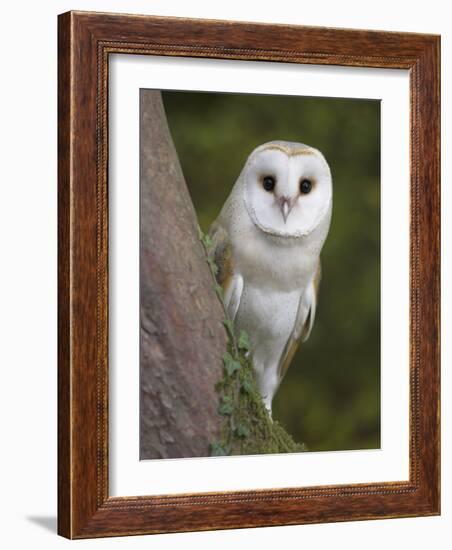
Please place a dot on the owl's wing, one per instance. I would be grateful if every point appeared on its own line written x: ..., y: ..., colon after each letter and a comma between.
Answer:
x: 303, y: 323
x: 227, y: 277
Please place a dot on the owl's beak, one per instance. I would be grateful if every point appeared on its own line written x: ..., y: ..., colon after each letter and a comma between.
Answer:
x: 285, y: 205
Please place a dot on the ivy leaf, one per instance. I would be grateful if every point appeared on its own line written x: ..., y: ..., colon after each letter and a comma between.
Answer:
x: 219, y: 291
x: 216, y: 449
x: 229, y: 326
x: 242, y: 430
x: 247, y: 387
x: 244, y: 341
x: 207, y: 241
x: 213, y: 266
x: 230, y: 364
x: 232, y: 367
x: 225, y: 409
x: 226, y: 406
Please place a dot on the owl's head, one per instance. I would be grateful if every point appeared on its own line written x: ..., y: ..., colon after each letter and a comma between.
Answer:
x: 287, y: 188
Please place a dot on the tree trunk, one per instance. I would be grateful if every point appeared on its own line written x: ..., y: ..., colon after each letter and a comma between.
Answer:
x: 182, y: 337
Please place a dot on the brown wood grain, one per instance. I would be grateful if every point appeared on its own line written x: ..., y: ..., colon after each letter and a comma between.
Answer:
x: 64, y: 295
x: 85, y: 42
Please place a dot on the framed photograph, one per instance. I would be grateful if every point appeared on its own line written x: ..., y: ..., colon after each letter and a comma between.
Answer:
x: 248, y: 275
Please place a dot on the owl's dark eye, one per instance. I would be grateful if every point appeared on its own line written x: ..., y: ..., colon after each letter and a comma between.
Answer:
x: 305, y: 186
x: 269, y: 183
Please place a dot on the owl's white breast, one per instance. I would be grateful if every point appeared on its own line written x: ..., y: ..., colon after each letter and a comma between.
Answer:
x: 268, y: 317
x: 276, y: 272
x: 270, y: 263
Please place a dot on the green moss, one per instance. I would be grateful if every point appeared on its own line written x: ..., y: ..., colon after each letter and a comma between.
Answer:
x: 247, y: 427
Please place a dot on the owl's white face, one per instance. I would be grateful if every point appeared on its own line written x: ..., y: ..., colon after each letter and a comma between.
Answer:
x: 287, y: 188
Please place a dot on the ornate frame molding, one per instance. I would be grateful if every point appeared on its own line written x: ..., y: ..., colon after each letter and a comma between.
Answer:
x: 85, y: 42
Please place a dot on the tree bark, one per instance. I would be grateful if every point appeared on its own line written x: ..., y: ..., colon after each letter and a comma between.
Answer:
x: 182, y: 337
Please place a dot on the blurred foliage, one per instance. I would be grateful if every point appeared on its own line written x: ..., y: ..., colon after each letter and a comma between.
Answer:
x: 330, y: 397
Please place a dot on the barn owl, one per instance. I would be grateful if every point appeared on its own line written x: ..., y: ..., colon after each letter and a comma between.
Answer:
x: 266, y: 244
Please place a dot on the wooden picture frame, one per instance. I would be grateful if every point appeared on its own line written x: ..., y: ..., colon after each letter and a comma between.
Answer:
x: 85, y: 42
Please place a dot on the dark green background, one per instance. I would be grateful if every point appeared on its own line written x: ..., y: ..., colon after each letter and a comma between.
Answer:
x: 330, y: 397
